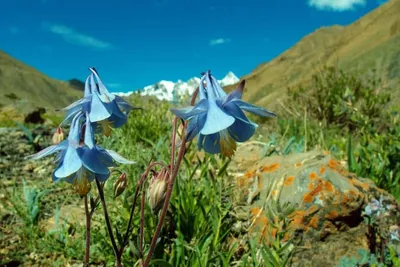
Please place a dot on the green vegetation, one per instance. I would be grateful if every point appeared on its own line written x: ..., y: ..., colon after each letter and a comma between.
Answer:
x: 339, y: 112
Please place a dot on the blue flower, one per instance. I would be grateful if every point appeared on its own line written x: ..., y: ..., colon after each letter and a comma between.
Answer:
x: 80, y: 160
x: 218, y: 118
x: 105, y: 110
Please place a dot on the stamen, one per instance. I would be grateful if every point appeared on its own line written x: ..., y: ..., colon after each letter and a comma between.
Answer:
x: 106, y: 127
x: 82, y: 183
x: 227, y: 143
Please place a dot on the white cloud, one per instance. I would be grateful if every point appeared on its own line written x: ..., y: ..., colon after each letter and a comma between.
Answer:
x: 219, y: 41
x: 77, y: 38
x: 14, y: 30
x: 336, y: 5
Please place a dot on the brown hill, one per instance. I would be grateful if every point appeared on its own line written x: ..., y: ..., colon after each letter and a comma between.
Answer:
x: 26, y: 88
x: 372, y: 42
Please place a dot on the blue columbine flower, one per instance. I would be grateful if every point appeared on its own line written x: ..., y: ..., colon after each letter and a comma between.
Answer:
x: 219, y: 118
x: 105, y: 110
x: 80, y: 160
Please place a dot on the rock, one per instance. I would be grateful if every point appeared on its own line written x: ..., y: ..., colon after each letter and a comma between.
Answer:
x: 327, y: 220
x: 35, y: 116
x: 74, y: 214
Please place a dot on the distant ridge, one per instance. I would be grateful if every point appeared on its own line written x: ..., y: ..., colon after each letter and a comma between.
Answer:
x: 28, y: 88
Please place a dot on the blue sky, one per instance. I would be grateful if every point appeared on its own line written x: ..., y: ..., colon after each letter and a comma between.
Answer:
x: 137, y: 43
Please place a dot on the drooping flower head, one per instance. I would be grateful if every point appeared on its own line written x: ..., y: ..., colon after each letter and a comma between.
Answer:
x: 218, y: 118
x: 105, y: 109
x: 79, y: 159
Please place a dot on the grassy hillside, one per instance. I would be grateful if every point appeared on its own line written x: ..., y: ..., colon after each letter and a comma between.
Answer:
x: 26, y: 88
x: 372, y: 42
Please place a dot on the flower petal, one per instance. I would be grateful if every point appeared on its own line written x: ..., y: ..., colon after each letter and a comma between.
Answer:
x: 70, y: 164
x: 90, y: 159
x: 98, y: 111
x: 211, y: 143
x: 89, y: 136
x: 217, y: 119
x: 214, y: 90
x: 237, y: 93
x: 88, y: 90
x: 102, y: 177
x: 108, y: 97
x: 188, y: 112
x: 241, y: 131
x: 195, y: 124
x: 48, y: 151
x: 254, y: 109
x: 118, y: 158
x: 74, y: 135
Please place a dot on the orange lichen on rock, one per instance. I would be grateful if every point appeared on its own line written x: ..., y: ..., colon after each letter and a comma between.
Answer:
x: 332, y: 215
x: 311, y: 186
x: 308, y: 198
x: 313, y: 176
x: 261, y: 221
x: 365, y: 186
x: 328, y: 186
x: 298, y: 218
x: 249, y: 174
x: 313, y: 209
x: 270, y: 168
x: 255, y: 211
x: 288, y: 181
x: 321, y: 170
x: 313, y: 222
x: 333, y: 164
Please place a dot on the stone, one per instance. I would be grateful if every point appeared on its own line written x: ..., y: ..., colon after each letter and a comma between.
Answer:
x: 328, y: 202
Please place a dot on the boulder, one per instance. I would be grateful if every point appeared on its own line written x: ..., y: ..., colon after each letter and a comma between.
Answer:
x: 327, y: 221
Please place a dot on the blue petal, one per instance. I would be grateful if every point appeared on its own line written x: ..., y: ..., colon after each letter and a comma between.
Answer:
x: 89, y: 136
x: 74, y: 135
x: 214, y: 90
x: 241, y: 131
x: 188, y: 112
x: 232, y: 109
x: 217, y: 119
x: 88, y: 90
x: 102, y: 177
x: 118, y: 158
x: 49, y: 150
x: 70, y: 163
x: 202, y: 90
x: 195, y: 125
x: 98, y: 111
x: 103, y: 90
x: 117, y: 117
x: 77, y: 104
x: 211, y: 144
x: 123, y: 105
x: 254, y: 109
x: 90, y: 159
x: 237, y: 93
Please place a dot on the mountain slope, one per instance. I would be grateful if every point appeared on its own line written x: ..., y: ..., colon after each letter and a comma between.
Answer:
x: 372, y: 42
x: 27, y: 88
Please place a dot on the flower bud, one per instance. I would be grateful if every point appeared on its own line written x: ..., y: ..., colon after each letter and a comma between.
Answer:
x: 58, y: 136
x: 157, y: 190
x: 120, y: 185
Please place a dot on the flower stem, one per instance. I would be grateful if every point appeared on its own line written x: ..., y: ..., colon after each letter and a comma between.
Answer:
x: 167, y: 196
x: 138, y: 187
x: 88, y: 218
x: 108, y: 223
